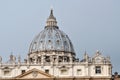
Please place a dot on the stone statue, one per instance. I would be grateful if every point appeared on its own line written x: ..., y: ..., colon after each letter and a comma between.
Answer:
x: 0, y: 59
x: 14, y: 58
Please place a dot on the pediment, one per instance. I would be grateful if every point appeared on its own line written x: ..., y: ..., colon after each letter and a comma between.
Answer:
x: 98, y: 56
x: 98, y: 59
x: 34, y: 73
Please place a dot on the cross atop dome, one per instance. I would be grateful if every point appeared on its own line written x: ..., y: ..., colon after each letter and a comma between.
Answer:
x: 51, y: 21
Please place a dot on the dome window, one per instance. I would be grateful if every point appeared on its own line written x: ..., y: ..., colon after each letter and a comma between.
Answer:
x: 57, y: 35
x: 58, y: 41
x: 49, y: 40
x: 65, y: 43
x: 41, y: 41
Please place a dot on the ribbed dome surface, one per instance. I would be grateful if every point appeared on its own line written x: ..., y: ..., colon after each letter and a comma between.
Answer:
x: 51, y: 39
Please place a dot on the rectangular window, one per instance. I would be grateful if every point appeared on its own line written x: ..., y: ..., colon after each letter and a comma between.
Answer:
x: 79, y: 71
x: 7, y: 73
x: 109, y: 69
x: 47, y: 71
x: 23, y: 71
x: 98, y: 69
x: 64, y: 72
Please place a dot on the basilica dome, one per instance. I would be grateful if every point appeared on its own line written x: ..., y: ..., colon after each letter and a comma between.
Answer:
x: 51, y: 39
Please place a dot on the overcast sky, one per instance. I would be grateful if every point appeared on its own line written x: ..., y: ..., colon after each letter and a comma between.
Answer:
x: 90, y: 24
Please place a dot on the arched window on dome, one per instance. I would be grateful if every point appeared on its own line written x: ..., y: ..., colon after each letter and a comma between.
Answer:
x: 58, y: 44
x: 34, y: 45
x: 49, y: 44
x: 57, y: 35
x: 65, y: 45
x: 40, y: 46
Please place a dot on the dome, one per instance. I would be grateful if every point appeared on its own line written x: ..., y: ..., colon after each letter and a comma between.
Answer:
x: 51, y: 39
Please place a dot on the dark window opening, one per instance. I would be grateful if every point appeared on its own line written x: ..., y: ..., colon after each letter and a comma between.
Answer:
x: 23, y: 71
x: 98, y: 69
x: 47, y: 71
x: 47, y: 58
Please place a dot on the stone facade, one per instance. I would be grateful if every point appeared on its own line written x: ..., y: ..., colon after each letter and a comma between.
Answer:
x: 51, y: 56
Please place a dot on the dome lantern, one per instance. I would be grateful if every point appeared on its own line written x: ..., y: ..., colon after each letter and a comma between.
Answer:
x: 51, y: 21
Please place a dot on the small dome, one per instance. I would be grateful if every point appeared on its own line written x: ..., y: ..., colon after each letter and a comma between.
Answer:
x: 51, y: 38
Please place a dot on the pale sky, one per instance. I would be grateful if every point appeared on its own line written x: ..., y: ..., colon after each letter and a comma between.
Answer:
x: 90, y: 24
